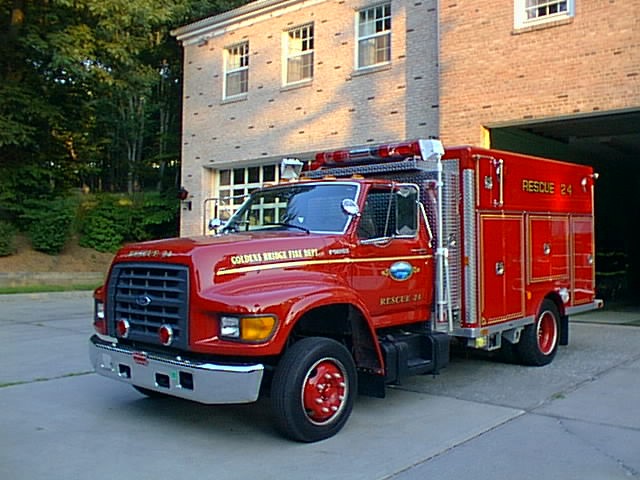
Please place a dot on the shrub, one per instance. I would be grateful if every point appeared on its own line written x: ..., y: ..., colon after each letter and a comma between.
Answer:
x: 107, y: 221
x: 7, y: 239
x: 49, y: 223
x: 104, y: 225
x: 154, y: 216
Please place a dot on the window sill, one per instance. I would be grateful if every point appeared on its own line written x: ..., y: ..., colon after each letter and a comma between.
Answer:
x: 373, y: 69
x: 297, y: 85
x: 541, y: 25
x: 234, y: 99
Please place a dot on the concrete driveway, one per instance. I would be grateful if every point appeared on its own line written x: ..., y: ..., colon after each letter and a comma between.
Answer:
x: 576, y: 418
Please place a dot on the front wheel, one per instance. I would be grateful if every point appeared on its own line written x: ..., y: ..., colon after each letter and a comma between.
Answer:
x: 539, y: 342
x: 313, y: 389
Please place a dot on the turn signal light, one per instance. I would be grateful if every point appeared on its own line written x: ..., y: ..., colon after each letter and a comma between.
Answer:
x: 255, y: 329
x: 247, y: 329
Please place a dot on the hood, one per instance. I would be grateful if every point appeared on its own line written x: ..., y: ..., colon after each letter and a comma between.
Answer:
x: 217, y: 259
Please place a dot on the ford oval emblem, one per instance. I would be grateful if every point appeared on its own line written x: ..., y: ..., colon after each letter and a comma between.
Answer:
x: 143, y: 300
x: 401, y: 271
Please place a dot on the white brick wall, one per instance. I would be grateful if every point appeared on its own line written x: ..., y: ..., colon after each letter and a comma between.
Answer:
x: 339, y: 107
x: 489, y: 73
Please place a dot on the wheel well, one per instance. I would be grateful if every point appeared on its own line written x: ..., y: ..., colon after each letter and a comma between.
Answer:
x: 344, y: 323
x: 328, y: 321
x: 555, y: 298
x: 564, y: 319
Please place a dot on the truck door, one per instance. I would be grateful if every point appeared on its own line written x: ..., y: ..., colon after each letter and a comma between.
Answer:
x: 501, y: 268
x: 392, y: 267
x: 548, y: 248
x: 583, y: 260
x: 491, y: 177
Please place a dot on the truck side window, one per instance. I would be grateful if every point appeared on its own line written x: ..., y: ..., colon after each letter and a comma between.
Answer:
x: 406, y: 197
x: 378, y: 216
x: 388, y: 214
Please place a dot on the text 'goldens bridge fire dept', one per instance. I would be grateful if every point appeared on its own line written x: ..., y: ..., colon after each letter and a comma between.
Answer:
x: 259, y: 257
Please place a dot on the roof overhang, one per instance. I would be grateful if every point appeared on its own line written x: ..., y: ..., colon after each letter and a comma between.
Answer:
x: 209, y: 27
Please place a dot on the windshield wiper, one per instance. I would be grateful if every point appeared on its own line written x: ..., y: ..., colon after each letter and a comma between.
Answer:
x: 288, y: 225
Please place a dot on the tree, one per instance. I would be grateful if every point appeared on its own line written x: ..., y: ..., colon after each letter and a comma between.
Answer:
x: 90, y: 95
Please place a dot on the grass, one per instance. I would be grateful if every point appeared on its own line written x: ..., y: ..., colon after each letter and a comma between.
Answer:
x: 48, y: 288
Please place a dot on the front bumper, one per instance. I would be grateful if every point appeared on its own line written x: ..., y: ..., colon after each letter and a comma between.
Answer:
x: 201, y: 382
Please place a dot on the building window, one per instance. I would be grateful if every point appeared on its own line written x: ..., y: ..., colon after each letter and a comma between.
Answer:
x: 374, y: 36
x: 299, y: 50
x: 236, y: 70
x: 534, y: 12
x: 236, y: 183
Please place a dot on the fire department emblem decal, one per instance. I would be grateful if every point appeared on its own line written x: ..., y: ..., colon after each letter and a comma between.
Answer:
x: 400, y: 271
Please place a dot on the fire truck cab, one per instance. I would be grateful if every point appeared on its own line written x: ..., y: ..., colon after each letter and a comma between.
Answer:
x: 356, y: 274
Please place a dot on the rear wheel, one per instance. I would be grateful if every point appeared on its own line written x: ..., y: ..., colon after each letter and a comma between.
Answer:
x: 313, y: 389
x: 539, y: 342
x: 509, y: 352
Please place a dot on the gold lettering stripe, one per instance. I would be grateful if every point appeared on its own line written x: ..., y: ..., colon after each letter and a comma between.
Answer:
x: 271, y: 266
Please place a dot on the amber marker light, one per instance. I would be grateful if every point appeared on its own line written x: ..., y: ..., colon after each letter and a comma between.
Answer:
x: 256, y: 329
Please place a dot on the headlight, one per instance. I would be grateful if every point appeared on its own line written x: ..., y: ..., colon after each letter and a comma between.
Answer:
x: 249, y: 329
x: 230, y: 327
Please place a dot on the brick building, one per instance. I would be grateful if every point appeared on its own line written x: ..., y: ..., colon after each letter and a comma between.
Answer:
x: 281, y: 78
x: 274, y: 78
x: 558, y: 79
x: 517, y: 62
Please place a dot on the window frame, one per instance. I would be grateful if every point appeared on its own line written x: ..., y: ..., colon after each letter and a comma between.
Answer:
x: 233, y: 70
x: 288, y: 55
x: 362, y: 38
x: 521, y: 19
x: 236, y: 192
x: 381, y: 217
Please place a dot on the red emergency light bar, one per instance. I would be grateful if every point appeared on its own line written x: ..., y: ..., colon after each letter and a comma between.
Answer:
x: 390, y: 152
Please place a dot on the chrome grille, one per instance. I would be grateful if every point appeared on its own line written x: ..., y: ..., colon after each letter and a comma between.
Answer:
x: 149, y: 295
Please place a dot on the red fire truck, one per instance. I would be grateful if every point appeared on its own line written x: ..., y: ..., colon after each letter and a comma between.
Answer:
x: 352, y: 277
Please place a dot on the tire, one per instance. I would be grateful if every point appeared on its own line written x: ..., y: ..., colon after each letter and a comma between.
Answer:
x: 313, y: 389
x: 539, y: 342
x: 150, y: 393
x: 508, y: 353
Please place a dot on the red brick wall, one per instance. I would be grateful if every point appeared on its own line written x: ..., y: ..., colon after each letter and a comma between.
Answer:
x: 491, y: 73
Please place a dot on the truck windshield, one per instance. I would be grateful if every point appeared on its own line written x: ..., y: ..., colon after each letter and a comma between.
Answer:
x: 313, y: 208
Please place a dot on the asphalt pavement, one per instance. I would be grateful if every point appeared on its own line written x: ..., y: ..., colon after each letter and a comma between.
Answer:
x: 576, y: 418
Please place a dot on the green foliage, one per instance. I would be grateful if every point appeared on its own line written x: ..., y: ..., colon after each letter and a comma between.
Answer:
x: 48, y: 223
x: 104, y: 224
x: 154, y: 216
x: 7, y: 239
x: 90, y: 91
x: 107, y: 221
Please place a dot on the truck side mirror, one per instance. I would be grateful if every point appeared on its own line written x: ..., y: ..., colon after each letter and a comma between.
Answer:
x: 214, y: 224
x: 350, y: 207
